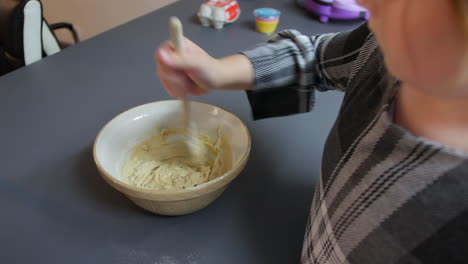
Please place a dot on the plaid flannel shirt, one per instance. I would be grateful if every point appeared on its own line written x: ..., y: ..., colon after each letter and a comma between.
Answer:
x: 385, y: 195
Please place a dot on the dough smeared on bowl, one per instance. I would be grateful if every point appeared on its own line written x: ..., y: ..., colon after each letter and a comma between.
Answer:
x: 163, y: 162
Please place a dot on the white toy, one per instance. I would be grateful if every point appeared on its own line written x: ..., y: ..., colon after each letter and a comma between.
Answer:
x: 218, y: 13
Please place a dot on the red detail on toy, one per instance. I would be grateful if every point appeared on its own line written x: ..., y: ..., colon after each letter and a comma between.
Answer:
x: 231, y: 8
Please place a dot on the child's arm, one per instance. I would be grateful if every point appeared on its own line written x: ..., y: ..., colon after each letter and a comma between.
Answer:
x: 289, y: 68
x: 281, y: 76
x: 195, y: 72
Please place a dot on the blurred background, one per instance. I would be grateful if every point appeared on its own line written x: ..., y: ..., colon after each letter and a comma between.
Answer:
x: 91, y: 17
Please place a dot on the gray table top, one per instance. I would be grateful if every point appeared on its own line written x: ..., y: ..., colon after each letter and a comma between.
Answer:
x: 55, y: 208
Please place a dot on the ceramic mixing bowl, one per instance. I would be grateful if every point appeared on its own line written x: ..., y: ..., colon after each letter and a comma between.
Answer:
x: 116, y: 139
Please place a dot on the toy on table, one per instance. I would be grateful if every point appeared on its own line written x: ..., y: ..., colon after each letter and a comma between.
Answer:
x: 266, y: 19
x: 218, y: 13
x: 335, y: 9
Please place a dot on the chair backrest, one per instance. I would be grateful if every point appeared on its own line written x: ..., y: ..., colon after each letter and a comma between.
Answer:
x: 29, y: 36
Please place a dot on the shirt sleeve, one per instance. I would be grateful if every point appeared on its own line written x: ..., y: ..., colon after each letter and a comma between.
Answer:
x: 291, y: 66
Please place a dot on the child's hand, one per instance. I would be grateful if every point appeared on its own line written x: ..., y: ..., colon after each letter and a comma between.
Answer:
x: 192, y: 71
x: 195, y: 72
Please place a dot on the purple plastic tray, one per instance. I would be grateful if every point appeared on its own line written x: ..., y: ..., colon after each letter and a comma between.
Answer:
x: 336, y: 9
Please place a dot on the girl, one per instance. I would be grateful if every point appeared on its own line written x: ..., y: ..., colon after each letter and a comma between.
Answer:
x: 395, y: 167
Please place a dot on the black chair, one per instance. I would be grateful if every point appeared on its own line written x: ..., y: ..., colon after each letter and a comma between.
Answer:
x: 28, y: 37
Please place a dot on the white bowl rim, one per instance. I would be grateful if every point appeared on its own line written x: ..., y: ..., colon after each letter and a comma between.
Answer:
x: 185, y: 191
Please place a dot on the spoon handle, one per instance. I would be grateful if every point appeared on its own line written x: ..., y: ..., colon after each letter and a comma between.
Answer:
x: 177, y: 36
x: 177, y: 33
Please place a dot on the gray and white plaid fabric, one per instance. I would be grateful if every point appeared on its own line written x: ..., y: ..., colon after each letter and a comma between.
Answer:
x: 385, y: 195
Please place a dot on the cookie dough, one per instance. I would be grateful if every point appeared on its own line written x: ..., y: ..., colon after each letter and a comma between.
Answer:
x: 164, y: 162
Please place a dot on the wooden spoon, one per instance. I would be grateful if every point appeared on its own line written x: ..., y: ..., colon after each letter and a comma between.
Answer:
x: 195, y: 148
x: 177, y: 37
